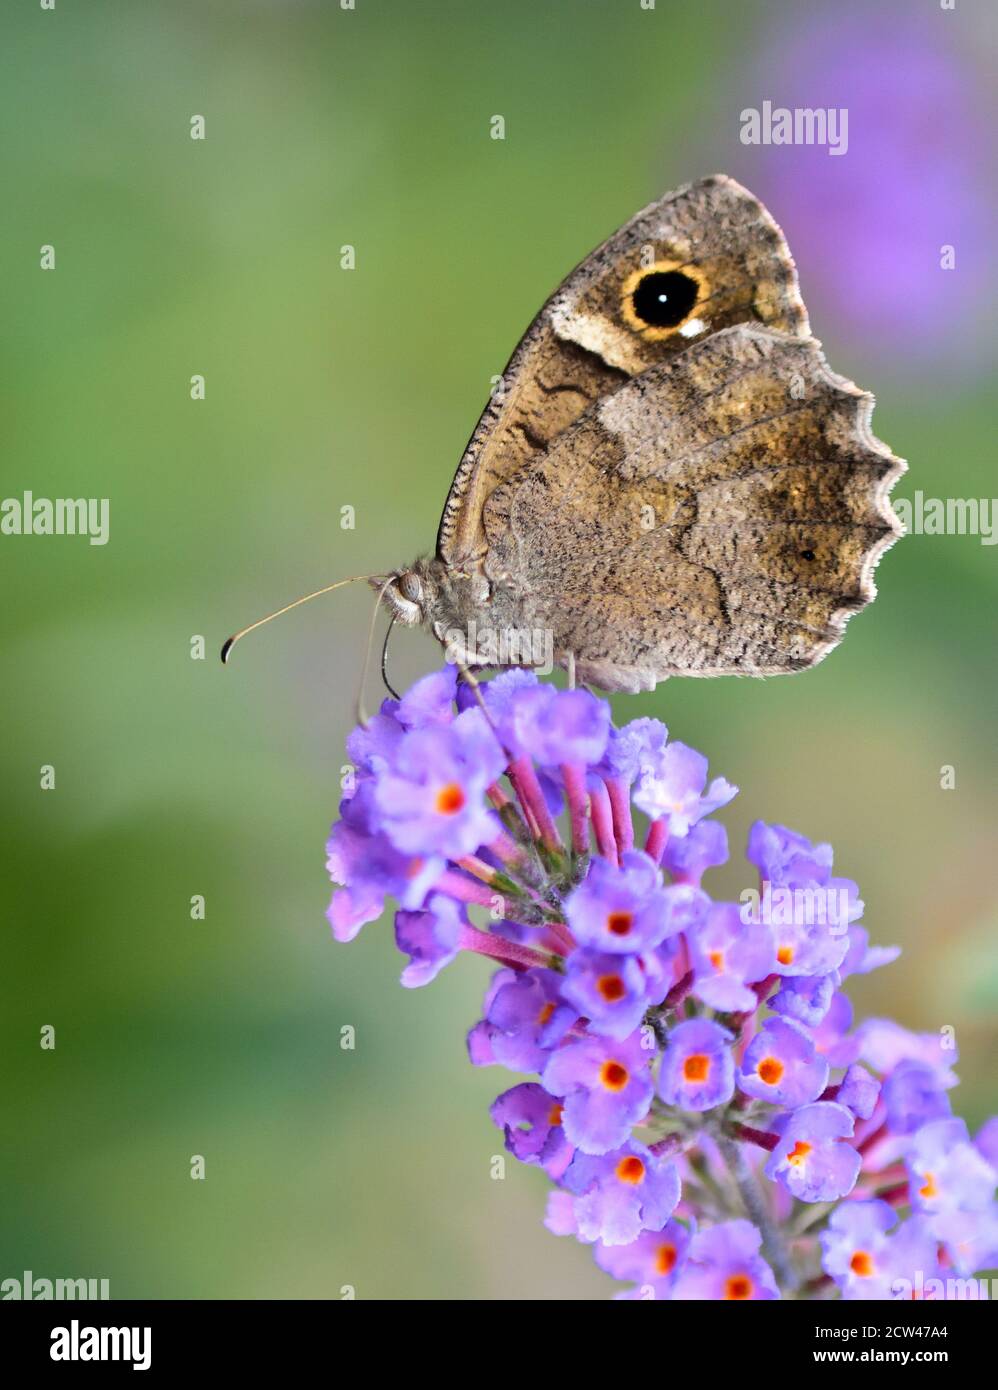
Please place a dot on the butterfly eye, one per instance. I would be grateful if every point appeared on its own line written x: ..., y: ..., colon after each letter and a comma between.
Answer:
x: 663, y: 298
x: 807, y: 555
x: 410, y: 587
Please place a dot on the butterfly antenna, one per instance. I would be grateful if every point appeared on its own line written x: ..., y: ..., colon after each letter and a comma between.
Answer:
x: 359, y: 709
x: 384, y: 662
x: 305, y: 598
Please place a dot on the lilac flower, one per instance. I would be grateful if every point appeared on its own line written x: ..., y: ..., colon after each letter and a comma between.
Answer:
x: 946, y: 1172
x: 912, y: 1257
x: 781, y: 1065
x: 861, y: 957
x: 613, y: 991
x: 604, y: 976
x: 431, y: 799
x: 811, y: 1160
x: 970, y: 1238
x: 704, y: 847
x: 806, y: 998
x: 914, y: 1094
x: 607, y: 1089
x: 859, y: 1092
x: 671, y: 788
x: 724, y: 1263
x: 785, y: 858
x: 560, y: 726
x: 654, y: 1258
x: 627, y: 909
x: 622, y: 1193
x: 527, y: 1019
x: 727, y: 955
x: 370, y: 868
x: 530, y: 1119
x: 429, y: 938
x: 632, y: 747
x: 885, y: 1044
x: 854, y: 1249
x: 698, y: 1072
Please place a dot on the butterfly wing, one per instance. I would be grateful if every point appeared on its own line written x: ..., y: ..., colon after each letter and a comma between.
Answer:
x: 722, y: 513
x: 700, y: 259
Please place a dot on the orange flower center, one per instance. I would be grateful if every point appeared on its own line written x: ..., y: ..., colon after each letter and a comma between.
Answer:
x: 619, y: 923
x: 613, y: 1076
x: 450, y: 799
x: 785, y: 955
x: 554, y: 1115
x: 546, y: 1012
x: 696, y: 1067
x: 716, y: 959
x: 770, y: 1070
x: 665, y: 1259
x: 738, y: 1286
x: 611, y: 987
x: 930, y: 1189
x: 862, y: 1263
x: 630, y: 1169
x: 799, y: 1152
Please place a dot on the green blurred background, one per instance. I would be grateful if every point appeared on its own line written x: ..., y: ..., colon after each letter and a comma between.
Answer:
x: 328, y: 388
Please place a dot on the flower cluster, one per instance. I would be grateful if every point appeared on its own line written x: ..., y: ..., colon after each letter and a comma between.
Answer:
x: 713, y: 1123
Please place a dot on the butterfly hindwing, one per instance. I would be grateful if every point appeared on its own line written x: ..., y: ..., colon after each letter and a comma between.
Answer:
x: 720, y: 513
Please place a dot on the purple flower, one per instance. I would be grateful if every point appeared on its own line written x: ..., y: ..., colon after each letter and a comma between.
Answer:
x: 885, y: 1044
x: 613, y: 991
x: 698, y: 1071
x: 370, y: 868
x: 607, y: 1089
x: 653, y: 1259
x: 627, y: 909
x: 689, y: 858
x: 621, y: 1194
x: 859, y: 1092
x: 430, y: 938
x: 671, y: 788
x: 724, y: 1263
x: 861, y: 957
x: 632, y: 747
x: 913, y: 1260
x: 527, y: 1018
x: 431, y: 799
x: 531, y: 1123
x: 727, y: 955
x: 970, y: 1238
x: 785, y: 858
x: 805, y: 998
x: 560, y: 726
x: 946, y: 1172
x: 430, y: 701
x: 810, y: 1160
x: 854, y: 1249
x: 582, y: 966
x: 781, y: 1066
x: 914, y: 1094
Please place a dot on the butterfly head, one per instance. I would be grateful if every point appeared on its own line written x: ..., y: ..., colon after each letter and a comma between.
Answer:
x: 409, y: 594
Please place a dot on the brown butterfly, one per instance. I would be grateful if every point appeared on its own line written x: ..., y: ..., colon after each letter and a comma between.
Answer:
x: 670, y: 480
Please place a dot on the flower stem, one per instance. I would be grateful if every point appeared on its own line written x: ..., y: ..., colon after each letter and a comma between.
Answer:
x: 758, y: 1212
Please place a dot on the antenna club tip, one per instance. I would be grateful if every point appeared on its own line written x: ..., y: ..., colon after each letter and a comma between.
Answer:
x: 226, y: 648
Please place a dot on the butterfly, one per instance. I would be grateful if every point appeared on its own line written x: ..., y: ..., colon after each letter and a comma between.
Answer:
x: 670, y: 479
